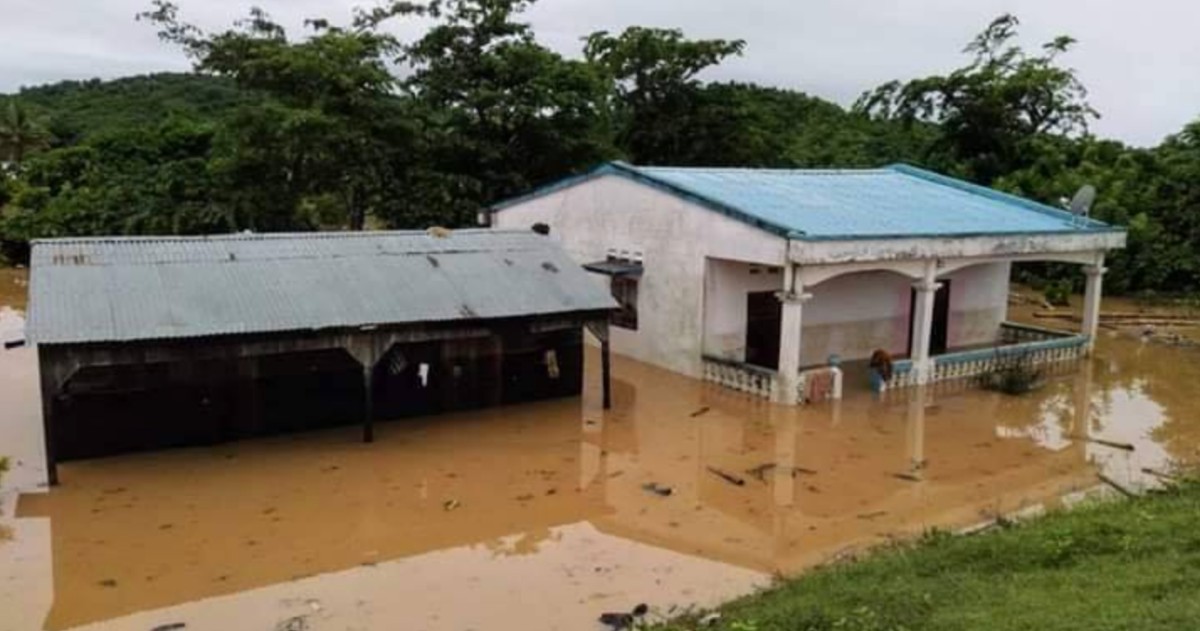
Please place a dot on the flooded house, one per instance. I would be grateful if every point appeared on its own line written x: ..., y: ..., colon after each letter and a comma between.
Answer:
x: 775, y: 281
x: 153, y: 342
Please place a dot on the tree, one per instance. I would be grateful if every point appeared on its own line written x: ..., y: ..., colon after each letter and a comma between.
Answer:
x: 656, y: 87
x: 501, y: 113
x: 989, y: 111
x: 329, y: 128
x: 19, y: 133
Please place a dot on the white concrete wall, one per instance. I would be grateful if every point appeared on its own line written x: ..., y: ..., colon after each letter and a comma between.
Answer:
x: 726, y: 287
x: 855, y: 314
x: 978, y: 303
x: 674, y: 235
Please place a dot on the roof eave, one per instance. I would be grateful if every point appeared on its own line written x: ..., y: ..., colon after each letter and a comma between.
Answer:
x: 963, y: 235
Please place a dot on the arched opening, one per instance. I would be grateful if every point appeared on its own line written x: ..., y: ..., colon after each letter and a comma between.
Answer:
x: 850, y: 316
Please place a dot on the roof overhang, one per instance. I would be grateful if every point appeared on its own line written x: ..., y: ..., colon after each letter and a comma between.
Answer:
x: 614, y: 268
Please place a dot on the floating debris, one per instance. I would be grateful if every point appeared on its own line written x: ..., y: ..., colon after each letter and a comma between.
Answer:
x: 295, y: 623
x: 620, y: 621
x: 1108, y: 443
x: 450, y: 505
x: 730, y: 478
x: 1170, y: 477
x: 1116, y: 485
x: 708, y: 620
x: 701, y: 411
x: 760, y: 472
x: 173, y: 626
x: 655, y: 488
x: 908, y: 477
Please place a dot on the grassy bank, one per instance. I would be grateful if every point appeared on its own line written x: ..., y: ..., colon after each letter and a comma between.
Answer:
x: 1118, y: 565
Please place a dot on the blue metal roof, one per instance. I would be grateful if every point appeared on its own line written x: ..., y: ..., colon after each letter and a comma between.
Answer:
x: 131, y: 288
x: 890, y: 202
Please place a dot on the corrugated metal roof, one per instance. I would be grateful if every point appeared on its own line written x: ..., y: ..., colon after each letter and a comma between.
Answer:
x: 895, y: 201
x: 129, y: 288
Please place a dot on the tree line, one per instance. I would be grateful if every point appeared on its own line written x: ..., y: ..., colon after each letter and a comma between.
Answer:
x: 348, y: 127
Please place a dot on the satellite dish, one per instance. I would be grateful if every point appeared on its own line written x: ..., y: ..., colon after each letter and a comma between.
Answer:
x: 1081, y: 203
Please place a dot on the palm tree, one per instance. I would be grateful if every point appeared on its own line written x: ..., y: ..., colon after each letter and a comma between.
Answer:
x: 19, y: 133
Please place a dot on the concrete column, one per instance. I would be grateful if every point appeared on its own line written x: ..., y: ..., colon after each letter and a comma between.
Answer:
x: 923, y: 322
x: 1091, y: 302
x: 790, y: 329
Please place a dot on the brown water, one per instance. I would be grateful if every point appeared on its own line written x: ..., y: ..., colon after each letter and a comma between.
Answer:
x: 14, y: 284
x: 536, y: 516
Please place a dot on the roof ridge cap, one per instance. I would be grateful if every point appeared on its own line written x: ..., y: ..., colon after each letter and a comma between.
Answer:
x: 781, y: 170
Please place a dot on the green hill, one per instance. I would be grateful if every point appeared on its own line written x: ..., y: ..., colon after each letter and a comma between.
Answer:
x: 74, y: 110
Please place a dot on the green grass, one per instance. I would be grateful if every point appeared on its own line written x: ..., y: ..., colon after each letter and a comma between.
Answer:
x: 1114, y: 565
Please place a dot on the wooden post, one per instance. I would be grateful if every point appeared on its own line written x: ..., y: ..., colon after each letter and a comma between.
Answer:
x: 48, y: 428
x: 606, y: 371
x: 599, y: 328
x: 50, y: 385
x: 368, y: 402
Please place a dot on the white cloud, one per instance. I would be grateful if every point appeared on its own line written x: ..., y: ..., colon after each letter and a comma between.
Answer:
x: 1137, y: 58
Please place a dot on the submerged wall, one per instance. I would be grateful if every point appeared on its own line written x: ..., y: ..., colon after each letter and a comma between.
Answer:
x: 106, y: 410
x: 672, y: 236
x: 727, y: 285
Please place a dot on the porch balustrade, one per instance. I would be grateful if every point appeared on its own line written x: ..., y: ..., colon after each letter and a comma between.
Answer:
x: 1037, y: 345
x: 739, y: 376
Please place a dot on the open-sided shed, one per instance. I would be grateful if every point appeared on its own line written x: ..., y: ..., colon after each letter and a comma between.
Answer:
x: 150, y: 342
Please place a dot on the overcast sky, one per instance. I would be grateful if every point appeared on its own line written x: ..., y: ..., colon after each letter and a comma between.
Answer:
x: 1139, y: 58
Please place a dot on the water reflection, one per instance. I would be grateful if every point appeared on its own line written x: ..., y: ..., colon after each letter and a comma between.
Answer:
x: 548, y: 503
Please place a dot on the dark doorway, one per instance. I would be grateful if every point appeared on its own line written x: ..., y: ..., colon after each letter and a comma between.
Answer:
x: 407, y: 380
x: 764, y: 316
x: 941, y: 319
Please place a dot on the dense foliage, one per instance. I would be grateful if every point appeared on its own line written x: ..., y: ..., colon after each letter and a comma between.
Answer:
x: 347, y: 127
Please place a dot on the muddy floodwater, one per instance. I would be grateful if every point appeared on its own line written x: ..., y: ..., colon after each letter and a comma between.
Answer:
x: 542, y: 516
